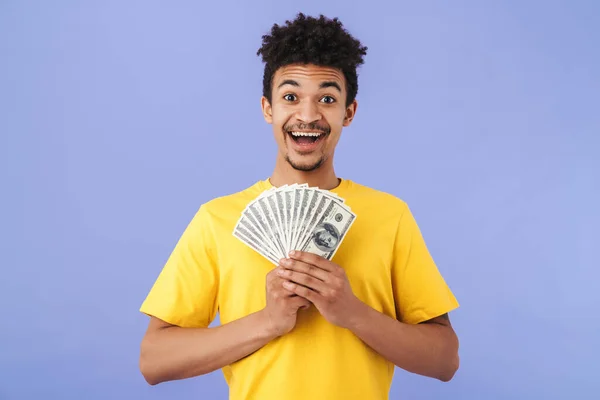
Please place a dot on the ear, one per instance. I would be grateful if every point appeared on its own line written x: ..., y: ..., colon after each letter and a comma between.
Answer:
x: 350, y: 113
x: 266, y: 109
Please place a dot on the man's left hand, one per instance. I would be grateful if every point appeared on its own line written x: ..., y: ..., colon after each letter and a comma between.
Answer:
x: 323, y: 283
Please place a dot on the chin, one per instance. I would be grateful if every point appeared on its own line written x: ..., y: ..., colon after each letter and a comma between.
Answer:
x: 306, y: 165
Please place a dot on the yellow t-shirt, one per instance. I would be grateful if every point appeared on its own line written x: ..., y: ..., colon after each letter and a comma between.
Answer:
x: 386, y: 261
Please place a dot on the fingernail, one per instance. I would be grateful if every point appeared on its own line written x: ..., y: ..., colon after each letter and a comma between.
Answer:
x: 280, y: 272
x: 292, y: 253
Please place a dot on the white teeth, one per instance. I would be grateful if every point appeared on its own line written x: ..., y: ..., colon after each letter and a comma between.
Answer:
x: 313, y: 134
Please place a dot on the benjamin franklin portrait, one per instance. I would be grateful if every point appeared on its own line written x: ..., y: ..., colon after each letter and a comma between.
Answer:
x: 326, y: 237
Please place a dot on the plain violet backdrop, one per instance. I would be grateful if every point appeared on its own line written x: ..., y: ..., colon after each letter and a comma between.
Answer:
x: 119, y: 118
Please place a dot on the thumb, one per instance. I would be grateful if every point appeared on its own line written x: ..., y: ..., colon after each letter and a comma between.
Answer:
x: 301, y: 303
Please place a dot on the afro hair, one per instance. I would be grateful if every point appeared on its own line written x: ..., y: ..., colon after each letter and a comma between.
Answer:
x: 308, y: 40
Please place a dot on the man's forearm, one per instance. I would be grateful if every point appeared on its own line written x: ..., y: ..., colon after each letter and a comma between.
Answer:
x: 173, y: 353
x: 427, y: 349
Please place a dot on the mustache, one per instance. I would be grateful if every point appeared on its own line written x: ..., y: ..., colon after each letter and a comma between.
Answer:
x: 313, y: 126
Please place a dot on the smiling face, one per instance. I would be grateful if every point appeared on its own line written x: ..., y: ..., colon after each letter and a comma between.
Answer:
x: 308, y: 111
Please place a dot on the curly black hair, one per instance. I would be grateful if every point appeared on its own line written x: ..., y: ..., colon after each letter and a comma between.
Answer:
x: 307, y: 40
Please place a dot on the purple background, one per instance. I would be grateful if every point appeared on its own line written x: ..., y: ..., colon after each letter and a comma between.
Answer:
x: 119, y: 118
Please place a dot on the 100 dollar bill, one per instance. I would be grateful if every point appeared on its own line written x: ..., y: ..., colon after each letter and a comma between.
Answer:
x: 328, y: 231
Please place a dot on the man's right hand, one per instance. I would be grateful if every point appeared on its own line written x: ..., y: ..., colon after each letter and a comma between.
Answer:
x: 282, y: 305
x: 170, y: 352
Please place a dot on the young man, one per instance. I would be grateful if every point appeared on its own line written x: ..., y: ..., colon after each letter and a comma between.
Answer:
x: 310, y: 328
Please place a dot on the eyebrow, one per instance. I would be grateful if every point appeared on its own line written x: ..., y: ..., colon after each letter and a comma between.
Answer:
x: 323, y: 85
x: 331, y: 84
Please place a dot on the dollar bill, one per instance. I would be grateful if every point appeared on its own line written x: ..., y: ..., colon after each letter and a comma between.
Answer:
x: 269, y: 224
x: 246, y: 238
x: 273, y: 209
x: 329, y: 230
x: 251, y: 224
x: 288, y: 203
x: 279, y: 201
x: 306, y: 214
x: 310, y: 222
x: 294, y: 217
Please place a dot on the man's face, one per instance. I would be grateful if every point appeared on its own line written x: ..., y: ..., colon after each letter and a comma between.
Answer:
x: 308, y: 111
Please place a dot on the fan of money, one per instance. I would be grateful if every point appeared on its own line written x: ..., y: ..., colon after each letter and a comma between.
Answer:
x: 294, y: 217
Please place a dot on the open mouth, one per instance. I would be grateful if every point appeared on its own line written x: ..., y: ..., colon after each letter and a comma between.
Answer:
x: 306, y: 138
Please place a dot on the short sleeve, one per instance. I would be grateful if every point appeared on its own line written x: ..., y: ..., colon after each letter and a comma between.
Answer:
x: 420, y: 291
x: 185, y: 292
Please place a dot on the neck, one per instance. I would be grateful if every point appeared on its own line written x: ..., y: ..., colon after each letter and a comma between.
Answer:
x: 323, y: 177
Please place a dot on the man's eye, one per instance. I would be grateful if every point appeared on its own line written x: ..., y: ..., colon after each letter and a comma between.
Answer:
x: 289, y: 97
x: 328, y: 99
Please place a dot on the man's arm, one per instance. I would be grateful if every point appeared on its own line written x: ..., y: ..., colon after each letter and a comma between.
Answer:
x: 429, y: 348
x: 170, y: 352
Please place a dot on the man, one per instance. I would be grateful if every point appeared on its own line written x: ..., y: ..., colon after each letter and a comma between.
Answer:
x: 309, y: 328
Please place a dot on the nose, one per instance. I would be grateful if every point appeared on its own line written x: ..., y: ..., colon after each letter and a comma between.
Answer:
x: 308, y: 112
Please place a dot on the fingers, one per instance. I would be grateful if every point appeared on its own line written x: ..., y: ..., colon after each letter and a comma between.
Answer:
x: 275, y: 286
x: 277, y: 291
x: 303, y: 279
x: 304, y: 268
x: 302, y: 291
x: 315, y: 260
